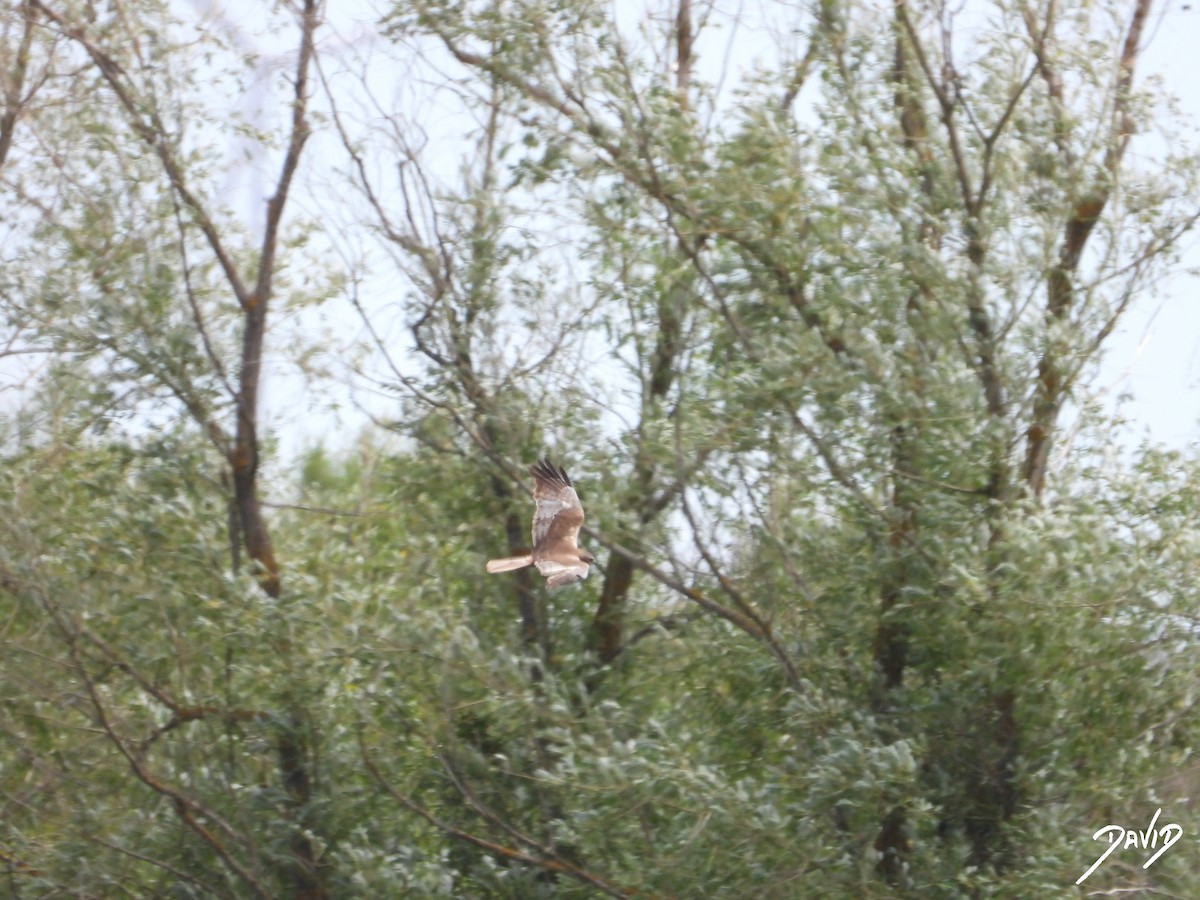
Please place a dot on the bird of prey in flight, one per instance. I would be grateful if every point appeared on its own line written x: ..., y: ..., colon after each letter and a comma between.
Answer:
x: 556, y: 524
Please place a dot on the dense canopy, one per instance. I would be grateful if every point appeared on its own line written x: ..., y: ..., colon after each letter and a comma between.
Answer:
x: 810, y: 301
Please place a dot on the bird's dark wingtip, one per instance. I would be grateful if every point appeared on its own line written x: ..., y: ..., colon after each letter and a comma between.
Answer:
x: 547, y: 470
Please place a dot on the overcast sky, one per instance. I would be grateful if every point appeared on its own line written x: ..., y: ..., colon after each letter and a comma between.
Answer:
x: 1154, y: 357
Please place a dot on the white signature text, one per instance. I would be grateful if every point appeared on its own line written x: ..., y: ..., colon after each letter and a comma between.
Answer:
x: 1127, y: 837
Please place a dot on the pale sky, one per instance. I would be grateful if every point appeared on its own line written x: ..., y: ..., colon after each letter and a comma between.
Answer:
x: 1155, y: 356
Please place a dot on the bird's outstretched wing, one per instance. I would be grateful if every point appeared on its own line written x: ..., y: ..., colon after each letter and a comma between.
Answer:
x: 559, y: 513
x: 556, y: 523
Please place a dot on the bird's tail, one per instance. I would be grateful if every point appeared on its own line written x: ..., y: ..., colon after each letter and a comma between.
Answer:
x: 507, y: 565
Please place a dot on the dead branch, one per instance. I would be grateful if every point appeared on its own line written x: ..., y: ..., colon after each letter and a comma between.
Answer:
x: 1054, y: 375
x: 545, y: 860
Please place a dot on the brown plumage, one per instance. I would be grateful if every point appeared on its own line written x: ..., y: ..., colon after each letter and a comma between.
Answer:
x: 556, y: 522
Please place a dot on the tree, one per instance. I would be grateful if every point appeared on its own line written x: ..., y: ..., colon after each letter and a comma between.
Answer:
x: 135, y: 305
x: 871, y: 279
x: 878, y: 612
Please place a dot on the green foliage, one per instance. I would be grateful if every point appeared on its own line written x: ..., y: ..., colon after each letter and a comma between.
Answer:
x: 797, y: 339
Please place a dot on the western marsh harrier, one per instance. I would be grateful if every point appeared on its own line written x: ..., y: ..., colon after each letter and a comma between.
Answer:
x: 556, y: 524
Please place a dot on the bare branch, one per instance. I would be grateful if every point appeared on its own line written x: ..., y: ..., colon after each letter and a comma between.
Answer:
x: 190, y: 811
x: 310, y: 20
x: 684, y: 38
x: 948, y: 103
x: 742, y: 621
x: 544, y: 861
x: 150, y: 128
x: 1055, y: 376
x: 750, y: 610
x: 13, y: 82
